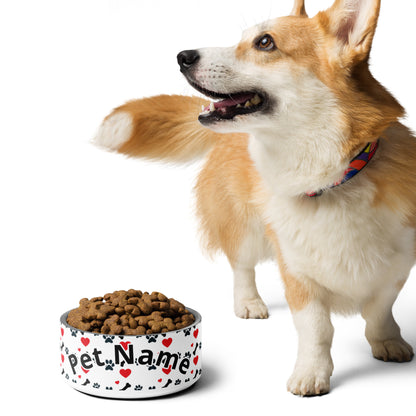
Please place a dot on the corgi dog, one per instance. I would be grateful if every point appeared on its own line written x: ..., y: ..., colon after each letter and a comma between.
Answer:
x: 307, y: 163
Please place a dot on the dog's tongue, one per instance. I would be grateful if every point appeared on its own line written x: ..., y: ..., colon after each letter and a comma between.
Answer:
x: 234, y: 100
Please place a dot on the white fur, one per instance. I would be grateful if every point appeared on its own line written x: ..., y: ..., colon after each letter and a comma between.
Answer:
x: 114, y: 131
x: 340, y: 241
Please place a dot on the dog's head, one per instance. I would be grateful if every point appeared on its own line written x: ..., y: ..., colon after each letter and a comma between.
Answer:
x: 294, y: 71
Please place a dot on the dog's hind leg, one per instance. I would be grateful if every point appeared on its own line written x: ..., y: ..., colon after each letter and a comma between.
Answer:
x: 230, y: 221
x: 382, y: 331
x: 247, y: 301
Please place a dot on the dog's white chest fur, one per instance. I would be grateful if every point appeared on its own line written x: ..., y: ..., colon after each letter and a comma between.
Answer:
x: 342, y: 241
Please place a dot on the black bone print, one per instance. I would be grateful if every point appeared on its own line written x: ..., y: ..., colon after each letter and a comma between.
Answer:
x: 167, y: 383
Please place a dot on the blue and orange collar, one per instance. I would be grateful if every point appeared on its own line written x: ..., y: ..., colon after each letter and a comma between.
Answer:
x: 356, y: 165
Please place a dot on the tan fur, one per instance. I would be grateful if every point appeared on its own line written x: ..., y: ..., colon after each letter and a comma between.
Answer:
x: 224, y: 189
x: 166, y: 127
x: 394, y: 174
x: 299, y: 9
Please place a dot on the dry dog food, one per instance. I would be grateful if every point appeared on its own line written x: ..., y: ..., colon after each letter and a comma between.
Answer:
x: 130, y: 312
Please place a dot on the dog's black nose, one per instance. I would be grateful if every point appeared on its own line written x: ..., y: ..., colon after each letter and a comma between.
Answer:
x: 187, y: 58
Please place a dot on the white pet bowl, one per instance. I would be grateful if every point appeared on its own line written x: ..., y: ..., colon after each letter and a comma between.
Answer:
x: 130, y: 366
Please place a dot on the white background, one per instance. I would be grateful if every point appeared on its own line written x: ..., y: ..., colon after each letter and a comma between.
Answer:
x: 79, y: 222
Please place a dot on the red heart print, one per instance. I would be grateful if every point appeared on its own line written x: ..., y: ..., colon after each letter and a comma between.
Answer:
x: 167, y: 370
x: 85, y: 341
x: 62, y: 331
x: 125, y: 372
x: 196, y: 332
x: 160, y: 380
x: 166, y: 342
x: 192, y: 344
x: 117, y: 382
x: 62, y: 357
x: 79, y: 376
x: 192, y: 371
x: 196, y: 359
x: 84, y: 370
x: 125, y: 344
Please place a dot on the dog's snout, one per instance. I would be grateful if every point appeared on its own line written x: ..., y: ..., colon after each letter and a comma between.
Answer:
x: 186, y: 59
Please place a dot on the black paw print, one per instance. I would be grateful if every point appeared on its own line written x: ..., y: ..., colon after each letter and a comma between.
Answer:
x: 152, y: 387
x: 187, y: 379
x: 96, y: 385
x: 109, y: 365
x: 187, y: 332
x: 187, y: 354
x: 151, y: 338
x: 74, y: 332
x: 109, y: 338
x: 66, y: 350
x: 138, y: 387
x: 177, y: 382
x: 67, y: 376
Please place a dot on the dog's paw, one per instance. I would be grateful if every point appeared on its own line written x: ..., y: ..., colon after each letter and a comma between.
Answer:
x: 397, y: 350
x: 251, y: 309
x: 114, y: 131
x: 303, y: 383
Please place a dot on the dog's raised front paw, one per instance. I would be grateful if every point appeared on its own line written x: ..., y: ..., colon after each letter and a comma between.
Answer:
x: 251, y: 309
x: 397, y: 350
x: 308, y: 384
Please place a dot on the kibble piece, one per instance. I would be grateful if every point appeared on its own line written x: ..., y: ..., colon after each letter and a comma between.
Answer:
x: 133, y: 301
x: 161, y: 297
x: 132, y: 323
x: 143, y: 320
x: 146, y: 308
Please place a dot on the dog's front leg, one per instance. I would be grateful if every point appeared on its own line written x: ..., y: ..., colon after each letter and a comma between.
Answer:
x: 311, y: 316
x: 314, y: 365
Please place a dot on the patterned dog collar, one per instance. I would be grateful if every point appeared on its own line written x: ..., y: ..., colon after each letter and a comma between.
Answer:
x: 356, y: 165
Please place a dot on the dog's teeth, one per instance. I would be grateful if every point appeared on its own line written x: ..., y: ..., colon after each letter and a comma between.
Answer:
x: 256, y: 100
x: 238, y: 105
x: 211, y: 107
x: 247, y: 104
x: 202, y: 108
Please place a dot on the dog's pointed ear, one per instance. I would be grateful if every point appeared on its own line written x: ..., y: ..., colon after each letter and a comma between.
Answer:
x: 353, y: 23
x: 299, y: 9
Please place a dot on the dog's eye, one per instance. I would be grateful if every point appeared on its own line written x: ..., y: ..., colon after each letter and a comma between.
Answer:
x: 265, y: 43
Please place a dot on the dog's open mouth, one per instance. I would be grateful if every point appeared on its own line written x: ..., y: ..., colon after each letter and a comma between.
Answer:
x: 229, y: 105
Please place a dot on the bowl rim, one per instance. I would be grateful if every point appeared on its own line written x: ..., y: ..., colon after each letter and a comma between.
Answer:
x: 198, y: 320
